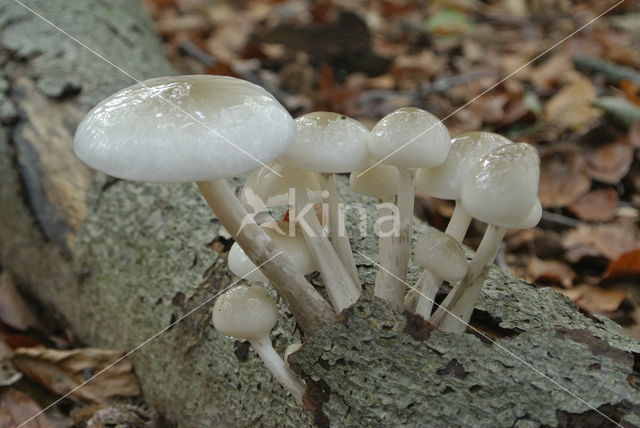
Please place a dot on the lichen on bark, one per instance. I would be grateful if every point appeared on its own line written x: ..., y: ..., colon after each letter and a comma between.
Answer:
x: 379, y: 367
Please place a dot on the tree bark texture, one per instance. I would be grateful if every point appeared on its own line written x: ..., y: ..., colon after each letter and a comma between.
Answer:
x: 120, y: 261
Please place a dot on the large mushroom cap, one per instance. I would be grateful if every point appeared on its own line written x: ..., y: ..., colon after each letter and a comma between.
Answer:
x: 411, y: 138
x: 328, y: 143
x: 245, y: 312
x: 184, y: 128
x: 502, y: 187
x: 442, y: 255
x: 445, y: 180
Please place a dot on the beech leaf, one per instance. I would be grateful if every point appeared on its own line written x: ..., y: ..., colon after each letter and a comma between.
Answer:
x: 61, y: 371
x: 17, y: 408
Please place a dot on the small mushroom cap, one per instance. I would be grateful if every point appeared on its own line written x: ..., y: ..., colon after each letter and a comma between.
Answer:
x: 502, y: 187
x: 445, y: 180
x: 381, y: 181
x: 184, y: 128
x: 294, y: 247
x: 245, y: 313
x: 441, y: 255
x: 411, y: 138
x: 273, y: 189
x: 328, y: 143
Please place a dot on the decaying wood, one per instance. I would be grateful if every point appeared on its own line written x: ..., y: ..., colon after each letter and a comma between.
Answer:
x: 120, y: 261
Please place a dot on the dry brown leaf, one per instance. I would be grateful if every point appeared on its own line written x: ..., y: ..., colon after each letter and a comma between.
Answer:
x: 572, y: 106
x: 226, y: 43
x: 634, y: 134
x: 8, y: 373
x: 607, y: 240
x: 61, y: 371
x: 563, y: 179
x: 16, y: 408
x: 549, y: 75
x: 594, y: 299
x: 631, y: 90
x: 13, y: 309
x: 628, y: 264
x: 597, y: 205
x: 5, y: 350
x: 550, y: 271
x: 610, y: 163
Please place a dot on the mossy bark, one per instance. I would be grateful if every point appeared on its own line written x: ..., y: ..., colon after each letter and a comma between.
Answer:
x: 121, y: 261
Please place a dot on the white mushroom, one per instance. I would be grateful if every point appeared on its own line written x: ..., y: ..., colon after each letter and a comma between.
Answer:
x: 249, y: 313
x: 204, y: 129
x: 330, y: 143
x: 501, y: 190
x: 380, y: 181
x: 445, y: 180
x: 293, y: 246
x: 442, y: 258
x: 272, y: 183
x: 407, y: 138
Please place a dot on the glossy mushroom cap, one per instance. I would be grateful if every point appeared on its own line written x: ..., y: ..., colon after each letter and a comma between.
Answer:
x: 411, y: 138
x: 532, y: 219
x: 502, y: 188
x: 381, y: 181
x: 328, y: 143
x: 441, y: 255
x: 294, y: 247
x: 184, y: 128
x: 445, y: 180
x: 245, y: 313
x: 273, y: 189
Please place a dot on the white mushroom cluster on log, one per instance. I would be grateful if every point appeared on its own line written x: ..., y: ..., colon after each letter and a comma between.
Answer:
x: 205, y: 129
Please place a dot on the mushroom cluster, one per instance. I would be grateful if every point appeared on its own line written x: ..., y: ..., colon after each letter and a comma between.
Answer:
x: 205, y: 129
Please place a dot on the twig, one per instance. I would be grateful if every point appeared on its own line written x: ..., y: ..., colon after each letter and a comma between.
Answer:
x: 559, y: 219
x: 613, y: 71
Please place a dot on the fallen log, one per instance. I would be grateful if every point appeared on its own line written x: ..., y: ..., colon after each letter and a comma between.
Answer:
x: 120, y: 262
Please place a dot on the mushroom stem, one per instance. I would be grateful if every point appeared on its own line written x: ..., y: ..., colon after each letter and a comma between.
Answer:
x: 455, y: 311
x: 459, y: 223
x: 341, y: 289
x: 394, y: 256
x: 339, y: 237
x: 385, y: 258
x: 278, y: 368
x: 428, y: 285
x: 308, y: 307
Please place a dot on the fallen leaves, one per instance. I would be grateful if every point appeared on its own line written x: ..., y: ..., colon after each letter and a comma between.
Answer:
x: 13, y: 310
x: 563, y: 178
x: 62, y: 371
x: 572, y: 106
x: 627, y: 264
x: 597, y: 205
x: 595, y: 299
x: 551, y: 271
x: 17, y: 408
x: 609, y: 163
x: 608, y: 240
x: 549, y: 75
